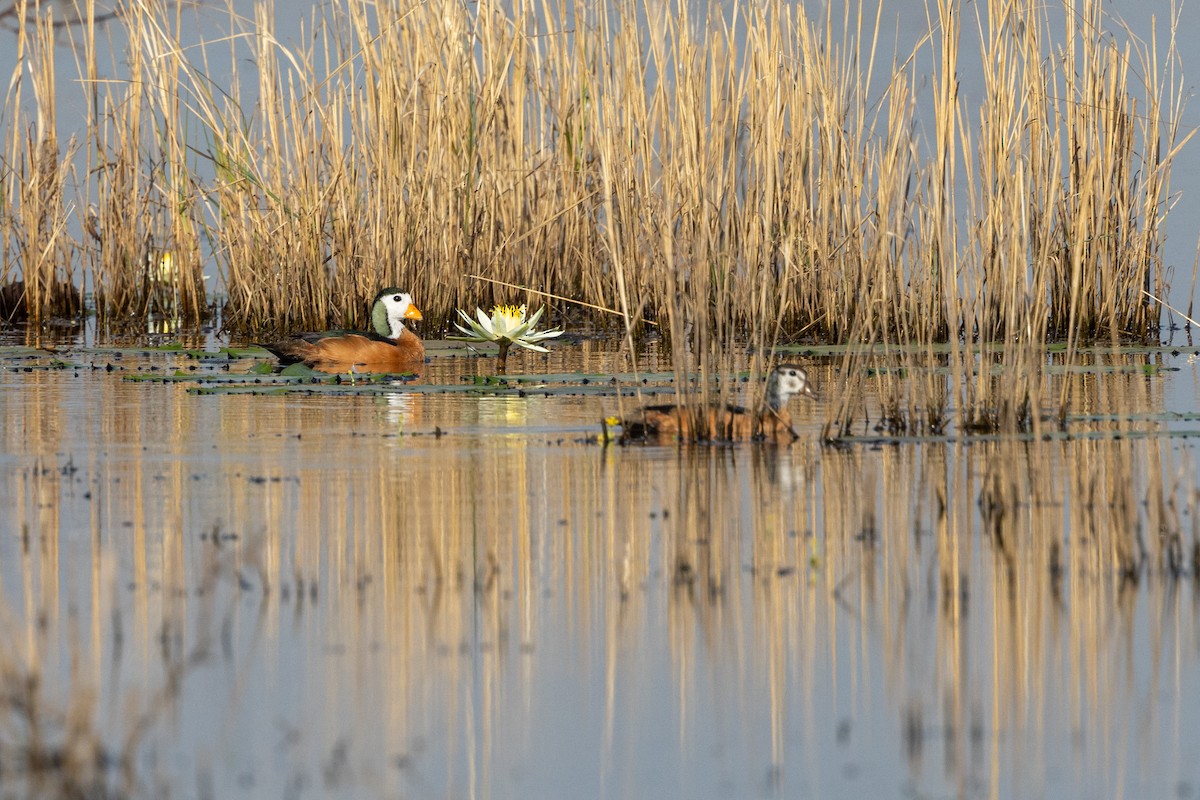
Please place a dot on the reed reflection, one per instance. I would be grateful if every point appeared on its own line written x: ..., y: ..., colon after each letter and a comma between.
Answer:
x: 498, y: 609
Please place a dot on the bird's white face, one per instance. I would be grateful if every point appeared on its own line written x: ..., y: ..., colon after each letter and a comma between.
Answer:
x: 391, y: 309
x: 792, y: 381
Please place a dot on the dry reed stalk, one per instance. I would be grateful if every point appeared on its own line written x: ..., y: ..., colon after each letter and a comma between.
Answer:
x: 178, y: 287
x: 270, y: 192
x: 120, y: 258
x: 35, y: 239
x: 886, y: 296
x: 1005, y: 281
x: 141, y: 230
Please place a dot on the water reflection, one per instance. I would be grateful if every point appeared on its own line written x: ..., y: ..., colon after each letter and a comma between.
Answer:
x: 266, y: 594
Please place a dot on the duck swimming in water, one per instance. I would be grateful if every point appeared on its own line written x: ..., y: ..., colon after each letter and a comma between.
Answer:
x: 388, y: 347
x: 729, y: 422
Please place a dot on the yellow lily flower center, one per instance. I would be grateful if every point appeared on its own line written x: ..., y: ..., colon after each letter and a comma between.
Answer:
x: 505, y: 318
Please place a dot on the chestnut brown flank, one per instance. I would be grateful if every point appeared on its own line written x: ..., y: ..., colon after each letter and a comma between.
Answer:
x: 341, y: 353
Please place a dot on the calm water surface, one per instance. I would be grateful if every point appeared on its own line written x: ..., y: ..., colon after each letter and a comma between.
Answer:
x: 316, y: 596
x: 244, y: 596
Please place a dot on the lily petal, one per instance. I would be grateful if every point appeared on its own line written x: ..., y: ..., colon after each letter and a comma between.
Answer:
x: 537, y: 336
x: 473, y: 334
x: 484, y: 321
x: 529, y: 346
x: 519, y: 331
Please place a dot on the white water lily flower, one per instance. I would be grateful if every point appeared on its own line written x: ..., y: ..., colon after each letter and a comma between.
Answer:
x: 507, y: 325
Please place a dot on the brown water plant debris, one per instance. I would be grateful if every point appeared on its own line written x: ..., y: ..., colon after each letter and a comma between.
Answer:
x: 62, y: 300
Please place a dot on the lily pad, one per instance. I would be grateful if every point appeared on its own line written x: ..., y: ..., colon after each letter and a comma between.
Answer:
x: 300, y: 371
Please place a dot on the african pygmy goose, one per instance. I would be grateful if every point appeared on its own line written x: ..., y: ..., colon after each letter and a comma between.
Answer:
x: 388, y: 347
x: 729, y: 422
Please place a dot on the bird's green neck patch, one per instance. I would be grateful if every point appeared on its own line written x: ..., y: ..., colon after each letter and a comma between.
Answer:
x: 380, y: 323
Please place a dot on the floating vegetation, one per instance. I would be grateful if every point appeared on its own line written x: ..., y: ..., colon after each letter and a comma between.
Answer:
x: 1100, y: 410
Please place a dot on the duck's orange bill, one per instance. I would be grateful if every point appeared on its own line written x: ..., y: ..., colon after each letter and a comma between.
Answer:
x: 412, y: 313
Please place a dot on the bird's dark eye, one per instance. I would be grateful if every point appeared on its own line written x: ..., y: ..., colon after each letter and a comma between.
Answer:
x: 396, y: 298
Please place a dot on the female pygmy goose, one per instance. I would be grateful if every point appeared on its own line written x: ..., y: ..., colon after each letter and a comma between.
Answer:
x: 729, y: 422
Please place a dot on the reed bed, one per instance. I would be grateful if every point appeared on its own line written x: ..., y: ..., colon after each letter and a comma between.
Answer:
x: 740, y: 177
x: 37, y: 269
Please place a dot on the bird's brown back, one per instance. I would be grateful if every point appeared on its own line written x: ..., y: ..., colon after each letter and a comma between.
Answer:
x: 728, y: 423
